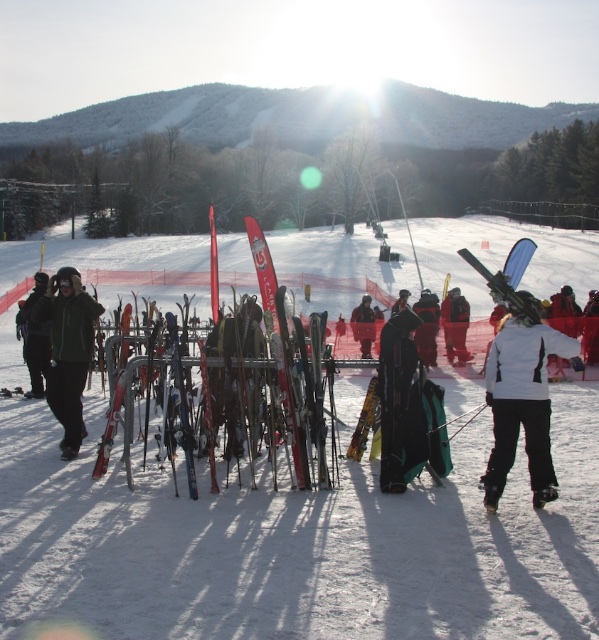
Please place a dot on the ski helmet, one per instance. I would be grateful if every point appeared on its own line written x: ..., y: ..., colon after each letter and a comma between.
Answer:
x: 425, y: 292
x: 366, y: 298
x: 529, y: 300
x: 593, y: 293
x: 404, y: 293
x: 567, y: 290
x: 456, y: 291
x: 67, y: 273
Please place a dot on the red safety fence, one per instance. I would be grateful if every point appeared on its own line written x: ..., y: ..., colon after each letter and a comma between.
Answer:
x: 239, y: 280
x: 22, y: 290
x: 346, y: 339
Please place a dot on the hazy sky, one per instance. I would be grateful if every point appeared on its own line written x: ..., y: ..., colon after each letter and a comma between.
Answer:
x: 57, y: 56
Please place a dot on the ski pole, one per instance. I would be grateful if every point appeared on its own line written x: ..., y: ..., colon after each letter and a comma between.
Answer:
x: 482, y: 408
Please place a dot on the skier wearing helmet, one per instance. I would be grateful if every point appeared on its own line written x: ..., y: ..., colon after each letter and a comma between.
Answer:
x: 518, y: 392
x: 72, y: 312
x: 362, y: 324
x: 402, y: 302
x: 36, y: 339
x: 427, y: 309
x: 455, y: 318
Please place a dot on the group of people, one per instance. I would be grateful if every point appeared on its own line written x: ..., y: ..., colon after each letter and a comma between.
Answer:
x: 453, y: 314
x: 516, y: 377
x: 564, y: 314
x: 56, y: 323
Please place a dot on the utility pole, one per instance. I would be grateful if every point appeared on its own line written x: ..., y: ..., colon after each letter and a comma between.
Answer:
x: 408, y: 227
x: 2, y: 234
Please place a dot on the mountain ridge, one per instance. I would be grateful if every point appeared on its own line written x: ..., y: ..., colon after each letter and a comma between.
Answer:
x: 219, y: 115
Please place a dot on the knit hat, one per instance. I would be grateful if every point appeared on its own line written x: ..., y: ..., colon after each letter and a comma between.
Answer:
x: 41, y: 279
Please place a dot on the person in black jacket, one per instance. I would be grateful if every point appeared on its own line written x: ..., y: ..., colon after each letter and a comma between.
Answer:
x: 397, y: 366
x: 362, y: 323
x: 72, y: 313
x: 36, y: 339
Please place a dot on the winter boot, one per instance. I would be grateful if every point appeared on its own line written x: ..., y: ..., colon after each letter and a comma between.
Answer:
x: 542, y: 497
x: 491, y: 499
x: 397, y: 487
x: 69, y: 454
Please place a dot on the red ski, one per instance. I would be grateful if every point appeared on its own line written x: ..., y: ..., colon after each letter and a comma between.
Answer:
x: 267, y: 280
x: 114, y: 415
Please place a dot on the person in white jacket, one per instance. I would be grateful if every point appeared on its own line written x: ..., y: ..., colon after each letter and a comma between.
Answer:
x: 518, y: 392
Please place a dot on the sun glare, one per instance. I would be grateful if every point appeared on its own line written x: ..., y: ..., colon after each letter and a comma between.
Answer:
x: 367, y: 85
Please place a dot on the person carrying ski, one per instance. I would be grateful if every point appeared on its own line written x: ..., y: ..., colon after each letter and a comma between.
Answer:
x: 401, y: 302
x: 363, y: 327
x: 398, y: 362
x: 72, y: 312
x: 36, y: 339
x: 428, y: 310
x: 518, y: 392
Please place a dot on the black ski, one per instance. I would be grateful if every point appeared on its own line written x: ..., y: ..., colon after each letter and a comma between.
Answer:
x: 498, y: 284
x: 318, y: 323
x: 152, y: 340
x: 305, y: 381
x: 186, y: 438
x: 299, y: 445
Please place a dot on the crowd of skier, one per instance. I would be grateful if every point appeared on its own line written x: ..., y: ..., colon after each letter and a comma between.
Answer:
x: 450, y: 319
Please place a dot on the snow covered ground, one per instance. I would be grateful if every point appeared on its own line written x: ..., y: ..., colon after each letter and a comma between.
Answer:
x: 98, y: 561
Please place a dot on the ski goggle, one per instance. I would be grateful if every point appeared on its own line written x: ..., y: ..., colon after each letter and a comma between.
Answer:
x: 65, y: 283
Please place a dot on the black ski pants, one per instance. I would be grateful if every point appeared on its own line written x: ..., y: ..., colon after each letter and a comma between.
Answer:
x: 65, y: 386
x: 38, y: 354
x: 535, y: 417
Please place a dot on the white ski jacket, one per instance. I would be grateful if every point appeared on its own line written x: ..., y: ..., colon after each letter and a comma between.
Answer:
x: 517, y: 364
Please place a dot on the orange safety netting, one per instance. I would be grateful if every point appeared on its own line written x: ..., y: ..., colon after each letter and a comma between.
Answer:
x: 239, y: 280
x: 346, y: 345
x: 345, y: 339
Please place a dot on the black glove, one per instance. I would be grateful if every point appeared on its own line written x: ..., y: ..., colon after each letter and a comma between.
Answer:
x: 489, y: 398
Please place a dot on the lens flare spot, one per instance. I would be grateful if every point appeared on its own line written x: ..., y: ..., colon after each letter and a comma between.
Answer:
x: 311, y: 178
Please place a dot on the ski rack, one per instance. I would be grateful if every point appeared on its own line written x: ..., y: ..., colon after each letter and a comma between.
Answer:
x: 136, y: 362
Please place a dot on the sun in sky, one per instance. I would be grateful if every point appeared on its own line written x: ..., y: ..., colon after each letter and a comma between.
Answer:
x: 350, y: 45
x: 492, y: 51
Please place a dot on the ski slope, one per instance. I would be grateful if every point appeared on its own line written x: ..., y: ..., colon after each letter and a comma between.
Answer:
x: 103, y: 562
